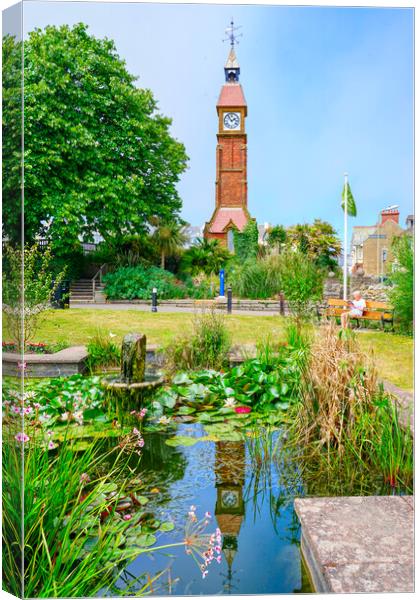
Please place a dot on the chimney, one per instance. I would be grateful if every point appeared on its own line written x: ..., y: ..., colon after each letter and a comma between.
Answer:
x: 390, y: 214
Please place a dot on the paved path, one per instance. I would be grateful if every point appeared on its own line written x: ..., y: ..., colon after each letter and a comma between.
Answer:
x: 358, y: 544
x: 169, y: 309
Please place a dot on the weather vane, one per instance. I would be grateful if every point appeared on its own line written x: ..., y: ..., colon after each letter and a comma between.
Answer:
x: 232, y: 37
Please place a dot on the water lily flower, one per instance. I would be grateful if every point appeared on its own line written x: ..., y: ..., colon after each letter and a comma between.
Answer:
x: 240, y: 410
x: 164, y: 420
x: 22, y: 437
x: 230, y: 402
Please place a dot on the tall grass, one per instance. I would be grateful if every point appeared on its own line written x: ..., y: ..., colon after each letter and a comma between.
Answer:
x: 344, y: 421
x: 102, y: 352
x: 206, y: 347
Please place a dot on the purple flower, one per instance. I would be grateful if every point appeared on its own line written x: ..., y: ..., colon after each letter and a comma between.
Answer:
x: 22, y: 437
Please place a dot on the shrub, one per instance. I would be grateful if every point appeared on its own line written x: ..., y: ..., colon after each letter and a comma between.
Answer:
x: 26, y: 299
x: 138, y: 282
x: 301, y: 281
x: 257, y: 279
x: 206, y: 348
x: 402, y: 293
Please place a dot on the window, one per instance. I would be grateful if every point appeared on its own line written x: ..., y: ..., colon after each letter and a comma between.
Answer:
x: 230, y: 242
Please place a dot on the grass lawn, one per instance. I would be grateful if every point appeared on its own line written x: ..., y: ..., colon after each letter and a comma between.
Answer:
x: 393, y: 353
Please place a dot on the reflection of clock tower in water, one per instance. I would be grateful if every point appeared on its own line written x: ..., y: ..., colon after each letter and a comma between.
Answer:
x: 230, y: 508
x: 231, y: 211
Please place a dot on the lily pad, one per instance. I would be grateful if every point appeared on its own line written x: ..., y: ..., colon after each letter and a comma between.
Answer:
x: 167, y: 526
x: 181, y: 440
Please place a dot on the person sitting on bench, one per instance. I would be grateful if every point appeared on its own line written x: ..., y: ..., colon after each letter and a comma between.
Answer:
x: 357, y: 306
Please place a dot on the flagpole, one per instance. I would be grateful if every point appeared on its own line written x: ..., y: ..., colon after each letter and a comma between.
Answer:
x: 345, y: 237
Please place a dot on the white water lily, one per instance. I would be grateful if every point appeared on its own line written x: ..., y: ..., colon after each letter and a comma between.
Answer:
x: 164, y: 420
x: 230, y: 402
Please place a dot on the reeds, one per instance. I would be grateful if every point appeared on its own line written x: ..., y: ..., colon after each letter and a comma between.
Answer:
x: 344, y: 424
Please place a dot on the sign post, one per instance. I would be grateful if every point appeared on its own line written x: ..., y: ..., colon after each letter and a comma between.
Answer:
x: 222, y: 283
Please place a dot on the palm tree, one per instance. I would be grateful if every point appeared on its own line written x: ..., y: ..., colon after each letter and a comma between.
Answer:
x: 169, y: 239
x: 207, y: 256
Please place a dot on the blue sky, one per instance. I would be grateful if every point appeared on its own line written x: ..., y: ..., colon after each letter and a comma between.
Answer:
x: 329, y: 90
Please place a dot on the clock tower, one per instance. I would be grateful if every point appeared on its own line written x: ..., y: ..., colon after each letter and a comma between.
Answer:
x: 231, y: 210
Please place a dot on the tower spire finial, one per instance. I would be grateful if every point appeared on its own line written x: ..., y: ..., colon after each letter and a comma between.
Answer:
x: 231, y: 35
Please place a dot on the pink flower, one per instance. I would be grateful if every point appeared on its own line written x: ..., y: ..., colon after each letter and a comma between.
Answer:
x: 240, y: 410
x: 51, y: 445
x: 84, y: 478
x: 136, y: 431
x: 205, y: 573
x: 22, y: 437
x: 219, y: 558
x: 37, y: 405
x: 27, y: 410
x: 207, y: 515
x: 21, y: 366
x: 16, y: 409
x: 127, y: 517
x: 50, y: 433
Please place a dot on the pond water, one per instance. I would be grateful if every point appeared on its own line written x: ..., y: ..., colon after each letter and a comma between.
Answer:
x: 248, y: 500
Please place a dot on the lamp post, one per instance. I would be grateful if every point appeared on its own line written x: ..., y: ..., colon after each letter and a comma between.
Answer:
x: 229, y: 299
x: 154, y: 300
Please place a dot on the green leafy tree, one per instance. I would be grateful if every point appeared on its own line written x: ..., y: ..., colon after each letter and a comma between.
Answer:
x: 98, y: 155
x: 246, y: 241
x: 169, y: 238
x: 205, y: 256
x: 402, y: 277
x: 277, y: 237
x: 301, y: 281
x: 319, y: 241
x: 27, y: 298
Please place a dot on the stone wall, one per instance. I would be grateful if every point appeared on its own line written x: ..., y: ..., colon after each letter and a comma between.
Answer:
x: 371, y: 288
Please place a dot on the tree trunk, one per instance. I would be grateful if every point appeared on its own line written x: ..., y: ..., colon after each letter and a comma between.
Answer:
x: 162, y: 259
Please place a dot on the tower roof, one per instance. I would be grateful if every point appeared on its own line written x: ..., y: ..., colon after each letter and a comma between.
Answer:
x: 232, y: 95
x: 232, y: 61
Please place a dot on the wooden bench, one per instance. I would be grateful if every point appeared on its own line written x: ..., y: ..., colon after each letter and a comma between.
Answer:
x: 374, y: 311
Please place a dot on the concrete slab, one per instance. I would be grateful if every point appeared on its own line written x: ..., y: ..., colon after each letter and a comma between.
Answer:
x: 358, y: 544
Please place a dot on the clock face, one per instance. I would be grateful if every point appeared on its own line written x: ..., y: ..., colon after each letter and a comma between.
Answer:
x: 230, y: 499
x: 232, y: 120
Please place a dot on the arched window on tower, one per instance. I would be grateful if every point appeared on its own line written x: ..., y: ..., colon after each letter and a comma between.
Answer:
x: 230, y: 241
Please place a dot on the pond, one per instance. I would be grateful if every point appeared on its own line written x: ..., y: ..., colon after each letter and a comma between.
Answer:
x: 249, y: 502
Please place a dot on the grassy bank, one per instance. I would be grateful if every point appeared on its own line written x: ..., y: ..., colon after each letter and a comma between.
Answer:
x: 393, y: 353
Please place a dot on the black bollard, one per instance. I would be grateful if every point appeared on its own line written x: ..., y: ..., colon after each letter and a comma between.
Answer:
x: 281, y: 302
x: 229, y: 299
x: 154, y: 300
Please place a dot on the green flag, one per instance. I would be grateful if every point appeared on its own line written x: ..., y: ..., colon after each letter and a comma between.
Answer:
x: 351, y: 204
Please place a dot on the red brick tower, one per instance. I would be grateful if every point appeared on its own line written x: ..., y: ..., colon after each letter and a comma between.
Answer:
x: 231, y: 211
